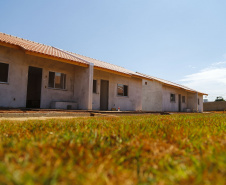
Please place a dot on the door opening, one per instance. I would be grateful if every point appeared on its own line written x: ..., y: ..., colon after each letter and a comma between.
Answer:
x: 34, y: 87
x: 104, y: 89
x: 179, y: 101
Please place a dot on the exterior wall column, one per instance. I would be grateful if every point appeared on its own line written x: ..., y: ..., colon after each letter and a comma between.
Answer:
x: 83, y: 87
x: 90, y: 87
x: 196, y: 102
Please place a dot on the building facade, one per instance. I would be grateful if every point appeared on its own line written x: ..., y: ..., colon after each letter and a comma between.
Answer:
x: 157, y: 96
x: 34, y: 75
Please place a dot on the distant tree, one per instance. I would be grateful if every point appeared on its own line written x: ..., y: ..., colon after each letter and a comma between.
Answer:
x: 219, y: 98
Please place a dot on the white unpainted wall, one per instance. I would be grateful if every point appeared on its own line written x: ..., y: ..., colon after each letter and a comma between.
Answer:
x: 151, y: 96
x: 156, y: 97
x: 174, y: 106
x: 131, y: 102
x: 13, y: 94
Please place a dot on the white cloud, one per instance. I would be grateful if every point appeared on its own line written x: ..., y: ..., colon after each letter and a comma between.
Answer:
x: 219, y: 63
x: 192, y: 67
x: 211, y: 80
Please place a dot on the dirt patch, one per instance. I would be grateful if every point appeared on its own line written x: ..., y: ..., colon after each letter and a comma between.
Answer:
x: 44, y: 114
x: 35, y: 118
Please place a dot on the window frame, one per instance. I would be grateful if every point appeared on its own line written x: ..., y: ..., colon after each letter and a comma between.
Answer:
x: 63, y: 75
x: 5, y: 82
x: 174, y: 97
x: 124, y: 90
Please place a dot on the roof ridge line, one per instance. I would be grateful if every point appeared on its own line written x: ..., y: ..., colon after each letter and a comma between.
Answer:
x: 67, y: 52
x: 98, y: 60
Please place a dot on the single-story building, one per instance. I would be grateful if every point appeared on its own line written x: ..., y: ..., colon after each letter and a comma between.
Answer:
x: 35, y: 75
x: 163, y: 95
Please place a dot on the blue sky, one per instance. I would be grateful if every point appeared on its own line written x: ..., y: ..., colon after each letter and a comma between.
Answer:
x: 183, y: 41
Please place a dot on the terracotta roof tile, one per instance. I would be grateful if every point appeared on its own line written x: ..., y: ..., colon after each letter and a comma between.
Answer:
x: 166, y: 82
x: 59, y: 53
x: 37, y: 48
x: 102, y: 64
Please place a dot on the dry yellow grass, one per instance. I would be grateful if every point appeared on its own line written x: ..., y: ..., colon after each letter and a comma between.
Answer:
x: 153, y: 149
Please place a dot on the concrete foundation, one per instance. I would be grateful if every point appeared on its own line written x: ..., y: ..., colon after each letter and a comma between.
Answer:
x: 64, y: 105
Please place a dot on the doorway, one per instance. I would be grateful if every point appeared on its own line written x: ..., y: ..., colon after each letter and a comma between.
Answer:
x: 104, y: 89
x: 179, y: 102
x: 34, y: 87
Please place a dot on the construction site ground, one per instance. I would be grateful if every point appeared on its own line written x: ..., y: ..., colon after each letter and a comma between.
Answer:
x: 43, y: 114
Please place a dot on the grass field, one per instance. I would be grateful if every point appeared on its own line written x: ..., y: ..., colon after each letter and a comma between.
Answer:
x: 152, y: 149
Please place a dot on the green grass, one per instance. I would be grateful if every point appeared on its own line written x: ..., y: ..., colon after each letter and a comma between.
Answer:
x: 169, y: 149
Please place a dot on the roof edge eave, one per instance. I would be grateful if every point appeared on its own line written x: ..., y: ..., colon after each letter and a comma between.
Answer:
x: 113, y: 71
x: 56, y: 58
x: 42, y: 55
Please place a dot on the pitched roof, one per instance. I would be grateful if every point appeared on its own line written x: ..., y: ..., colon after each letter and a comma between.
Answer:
x: 37, y: 48
x: 103, y: 65
x: 34, y: 48
x: 168, y: 83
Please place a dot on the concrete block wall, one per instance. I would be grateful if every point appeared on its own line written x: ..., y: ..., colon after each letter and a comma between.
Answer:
x: 214, y: 106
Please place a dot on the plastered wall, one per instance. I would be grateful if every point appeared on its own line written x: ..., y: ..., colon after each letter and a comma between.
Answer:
x: 83, y: 87
x: 200, y: 106
x: 132, y: 102
x: 13, y: 93
x: 174, y: 106
x: 151, y: 96
x: 193, y: 102
x: 156, y: 97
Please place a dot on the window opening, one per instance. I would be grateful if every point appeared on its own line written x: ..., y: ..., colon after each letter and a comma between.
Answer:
x: 172, y: 97
x: 4, y: 69
x: 94, y: 86
x: 122, y: 90
x: 57, y: 80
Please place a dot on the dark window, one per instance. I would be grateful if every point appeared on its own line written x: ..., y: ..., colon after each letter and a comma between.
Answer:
x: 146, y: 83
x: 51, y: 79
x: 172, y: 97
x: 4, y: 69
x: 183, y: 99
x: 57, y: 80
x: 122, y: 90
x: 94, y: 86
x: 198, y: 101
